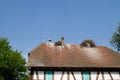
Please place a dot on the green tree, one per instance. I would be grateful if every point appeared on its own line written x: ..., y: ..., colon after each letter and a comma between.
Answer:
x: 12, y: 64
x: 115, y: 40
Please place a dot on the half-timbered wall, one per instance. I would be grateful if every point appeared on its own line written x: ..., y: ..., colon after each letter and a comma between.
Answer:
x: 75, y: 75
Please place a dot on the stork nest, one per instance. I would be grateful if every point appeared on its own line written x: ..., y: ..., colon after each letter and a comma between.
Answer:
x: 88, y: 43
x: 58, y: 43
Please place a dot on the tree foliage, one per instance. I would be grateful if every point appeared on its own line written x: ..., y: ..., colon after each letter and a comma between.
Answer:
x: 12, y: 64
x: 115, y: 40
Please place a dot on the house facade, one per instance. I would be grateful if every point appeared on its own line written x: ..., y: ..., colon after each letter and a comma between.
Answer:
x: 60, y: 61
x: 75, y: 75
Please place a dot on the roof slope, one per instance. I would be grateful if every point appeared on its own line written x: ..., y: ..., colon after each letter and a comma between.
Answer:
x: 71, y: 55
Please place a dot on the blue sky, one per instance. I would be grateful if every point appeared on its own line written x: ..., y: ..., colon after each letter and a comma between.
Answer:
x: 27, y: 22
